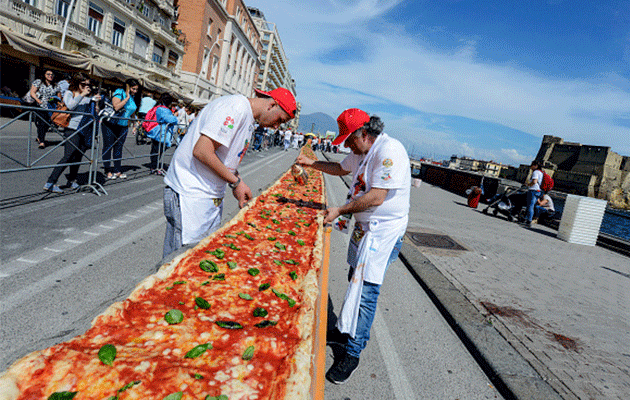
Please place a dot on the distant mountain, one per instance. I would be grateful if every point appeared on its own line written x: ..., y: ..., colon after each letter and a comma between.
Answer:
x: 323, y: 122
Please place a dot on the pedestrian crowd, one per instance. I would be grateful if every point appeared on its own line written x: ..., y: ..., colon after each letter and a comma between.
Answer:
x: 118, y: 113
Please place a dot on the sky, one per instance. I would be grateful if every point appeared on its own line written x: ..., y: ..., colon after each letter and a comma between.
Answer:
x: 484, y: 79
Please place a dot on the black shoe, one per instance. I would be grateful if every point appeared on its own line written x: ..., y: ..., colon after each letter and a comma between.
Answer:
x: 343, y: 370
x: 335, y: 337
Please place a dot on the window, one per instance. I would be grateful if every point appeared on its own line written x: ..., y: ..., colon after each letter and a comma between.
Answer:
x: 63, y: 8
x: 146, y: 10
x: 95, y: 19
x: 209, y: 30
x: 206, y: 61
x: 162, y: 20
x: 215, y: 67
x: 141, y: 44
x: 171, y: 63
x: 118, y: 33
x: 238, y: 15
x: 30, y: 2
x: 158, y: 53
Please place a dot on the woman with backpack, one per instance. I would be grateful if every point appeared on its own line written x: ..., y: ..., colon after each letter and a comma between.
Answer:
x: 160, y: 132
x: 534, y: 192
x: 124, y: 102
x: 78, y: 136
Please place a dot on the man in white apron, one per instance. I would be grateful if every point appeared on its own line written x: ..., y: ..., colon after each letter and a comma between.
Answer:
x: 379, y: 201
x: 207, y: 158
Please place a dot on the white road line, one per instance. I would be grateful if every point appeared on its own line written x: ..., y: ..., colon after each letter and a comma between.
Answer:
x: 152, y: 208
x: 91, y: 233
x: 395, y: 370
x: 53, y: 250
x: 26, y: 260
x: 119, y: 221
x: 106, y: 227
x: 131, y: 216
x: 73, y: 241
x: 21, y: 296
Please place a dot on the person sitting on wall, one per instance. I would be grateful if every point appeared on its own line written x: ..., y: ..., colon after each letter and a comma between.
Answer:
x: 544, y: 208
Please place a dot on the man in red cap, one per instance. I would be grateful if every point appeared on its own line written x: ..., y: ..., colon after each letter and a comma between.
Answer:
x: 379, y: 201
x: 207, y: 158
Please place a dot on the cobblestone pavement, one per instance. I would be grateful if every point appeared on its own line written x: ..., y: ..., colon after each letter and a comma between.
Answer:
x: 563, y: 307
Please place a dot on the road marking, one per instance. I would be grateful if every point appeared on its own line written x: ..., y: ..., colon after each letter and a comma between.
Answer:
x: 91, y: 233
x: 21, y: 296
x: 119, y: 221
x: 73, y: 241
x: 27, y: 260
x: 53, y: 250
x: 131, y: 216
x: 106, y: 227
x: 393, y: 364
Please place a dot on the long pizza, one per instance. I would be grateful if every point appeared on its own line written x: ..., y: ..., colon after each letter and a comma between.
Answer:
x: 229, y: 319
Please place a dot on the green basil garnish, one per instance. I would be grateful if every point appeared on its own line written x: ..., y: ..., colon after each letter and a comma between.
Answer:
x: 300, y: 242
x: 198, y: 350
x: 232, y: 264
x: 218, y: 277
x: 245, y: 296
x: 174, y: 317
x: 229, y: 324
x: 248, y: 236
x: 265, y: 324
x: 264, y: 286
x: 277, y: 262
x: 208, y: 266
x: 62, y: 395
x: 281, y: 246
x: 253, y: 271
x: 293, y: 275
x: 174, y: 396
x: 248, y: 354
x: 202, y: 303
x: 107, y: 354
x: 260, y: 312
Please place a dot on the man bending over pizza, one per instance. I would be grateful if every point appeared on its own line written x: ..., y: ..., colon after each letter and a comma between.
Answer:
x: 207, y: 158
x: 379, y: 201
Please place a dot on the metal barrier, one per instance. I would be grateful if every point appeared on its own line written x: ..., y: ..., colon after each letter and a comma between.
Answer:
x: 94, y: 157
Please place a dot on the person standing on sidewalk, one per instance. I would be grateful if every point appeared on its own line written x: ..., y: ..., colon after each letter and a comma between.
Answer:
x: 161, y: 131
x: 40, y: 92
x: 78, y: 136
x: 207, y: 158
x: 379, y: 200
x: 534, y: 193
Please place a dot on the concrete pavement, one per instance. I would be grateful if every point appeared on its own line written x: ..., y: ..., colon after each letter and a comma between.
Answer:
x: 563, y: 307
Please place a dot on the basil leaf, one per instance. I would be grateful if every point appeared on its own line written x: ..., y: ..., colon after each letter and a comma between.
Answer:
x: 253, y: 271
x: 229, y: 324
x: 62, y: 395
x: 260, y: 312
x: 245, y: 296
x: 205, y: 283
x: 248, y: 354
x: 240, y: 232
x: 271, y: 238
x: 198, y: 376
x: 220, y: 397
x: 277, y: 262
x: 284, y: 297
x: 202, y: 303
x: 230, y: 236
x: 249, y: 237
x: 292, y: 233
x: 266, y: 323
x: 198, y: 350
x: 275, y: 221
x: 300, y: 242
x: 175, y: 396
x: 251, y: 224
x: 232, y: 264
x: 293, y: 275
x: 281, y: 246
x: 264, y: 286
x: 107, y: 354
x: 208, y: 266
x: 218, y: 277
x: 292, y: 262
x: 290, y: 301
x: 233, y: 247
x: 174, y: 317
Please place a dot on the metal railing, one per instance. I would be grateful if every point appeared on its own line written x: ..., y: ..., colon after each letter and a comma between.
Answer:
x: 93, y: 156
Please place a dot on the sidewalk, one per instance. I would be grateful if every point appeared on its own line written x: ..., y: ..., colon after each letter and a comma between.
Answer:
x: 562, y: 307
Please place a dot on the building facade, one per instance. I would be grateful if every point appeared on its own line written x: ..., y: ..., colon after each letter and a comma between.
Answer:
x: 222, y: 48
x: 120, y: 39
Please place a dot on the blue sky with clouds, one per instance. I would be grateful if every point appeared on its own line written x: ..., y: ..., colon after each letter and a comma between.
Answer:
x: 485, y: 79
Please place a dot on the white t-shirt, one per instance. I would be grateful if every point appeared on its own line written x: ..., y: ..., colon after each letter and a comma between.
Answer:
x: 386, y: 166
x: 537, y: 174
x: 549, y: 205
x: 229, y: 121
x: 287, y: 135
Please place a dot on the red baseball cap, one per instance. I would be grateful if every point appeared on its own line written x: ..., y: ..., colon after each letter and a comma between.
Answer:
x: 349, y: 121
x: 283, y: 97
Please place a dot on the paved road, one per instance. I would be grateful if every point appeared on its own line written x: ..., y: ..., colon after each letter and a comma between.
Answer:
x: 66, y: 258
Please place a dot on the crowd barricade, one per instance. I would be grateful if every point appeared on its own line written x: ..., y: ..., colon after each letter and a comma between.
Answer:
x: 93, y: 156
x: 30, y: 162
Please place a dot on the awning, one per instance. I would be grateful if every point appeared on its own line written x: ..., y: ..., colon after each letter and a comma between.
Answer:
x: 33, y: 47
x: 108, y: 72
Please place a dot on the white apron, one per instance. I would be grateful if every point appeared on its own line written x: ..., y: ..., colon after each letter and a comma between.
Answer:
x: 200, y: 217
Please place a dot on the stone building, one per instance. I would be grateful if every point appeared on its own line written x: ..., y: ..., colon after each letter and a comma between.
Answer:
x: 222, y: 48
x: 110, y: 39
x: 594, y: 171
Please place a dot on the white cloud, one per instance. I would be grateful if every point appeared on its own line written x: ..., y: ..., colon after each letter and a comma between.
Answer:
x: 398, y: 68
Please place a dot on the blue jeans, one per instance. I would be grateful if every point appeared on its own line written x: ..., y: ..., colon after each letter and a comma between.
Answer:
x: 367, y: 309
x: 114, y: 137
x: 532, y: 197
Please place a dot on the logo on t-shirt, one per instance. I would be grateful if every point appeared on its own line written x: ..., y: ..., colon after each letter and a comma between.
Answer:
x: 359, y: 186
x: 386, y: 176
x: 388, y: 162
x: 229, y: 122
